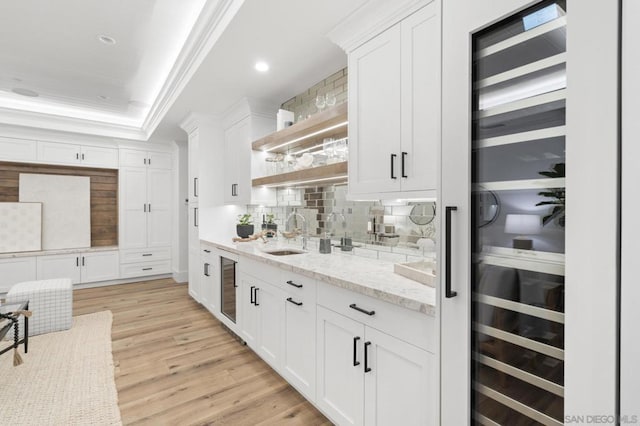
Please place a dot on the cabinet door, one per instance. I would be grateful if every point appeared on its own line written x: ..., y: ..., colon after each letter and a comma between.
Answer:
x: 133, y: 208
x: 374, y: 115
x: 96, y: 156
x: 420, y: 140
x: 132, y: 158
x: 299, y: 353
x: 159, y: 160
x: 159, y: 191
x: 58, y: 153
x: 400, y: 387
x: 206, y: 277
x: 194, y: 274
x: 18, y: 149
x: 340, y: 389
x: 100, y: 266
x: 194, y: 166
x: 237, y: 156
x: 249, y: 311
x: 270, y: 300
x: 16, y: 270
x: 59, y: 266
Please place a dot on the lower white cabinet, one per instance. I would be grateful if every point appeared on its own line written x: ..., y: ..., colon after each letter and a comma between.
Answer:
x: 262, y: 318
x: 209, y: 272
x: 79, y: 267
x: 369, y: 377
x: 16, y: 270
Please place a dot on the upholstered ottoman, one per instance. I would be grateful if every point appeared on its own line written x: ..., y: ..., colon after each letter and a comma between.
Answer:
x: 50, y: 301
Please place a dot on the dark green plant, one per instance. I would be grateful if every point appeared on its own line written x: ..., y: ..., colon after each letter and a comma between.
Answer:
x: 244, y: 219
x: 556, y: 195
x: 270, y: 218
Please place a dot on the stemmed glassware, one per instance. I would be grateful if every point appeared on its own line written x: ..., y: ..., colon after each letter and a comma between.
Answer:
x: 321, y: 102
x: 330, y: 99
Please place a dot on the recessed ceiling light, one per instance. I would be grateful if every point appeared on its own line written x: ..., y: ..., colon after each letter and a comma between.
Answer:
x: 103, y: 97
x: 106, y: 39
x: 262, y: 66
x: 25, y: 92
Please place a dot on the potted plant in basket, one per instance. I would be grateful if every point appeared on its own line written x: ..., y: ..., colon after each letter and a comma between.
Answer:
x: 244, y: 228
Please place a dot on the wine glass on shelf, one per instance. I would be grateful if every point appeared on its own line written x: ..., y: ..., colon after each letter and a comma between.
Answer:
x: 329, y: 149
x: 320, y: 102
x: 330, y: 99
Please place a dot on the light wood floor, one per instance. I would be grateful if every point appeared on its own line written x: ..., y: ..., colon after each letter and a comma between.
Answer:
x: 176, y: 365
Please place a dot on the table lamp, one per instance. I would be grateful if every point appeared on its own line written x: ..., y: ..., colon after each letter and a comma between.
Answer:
x: 522, y: 225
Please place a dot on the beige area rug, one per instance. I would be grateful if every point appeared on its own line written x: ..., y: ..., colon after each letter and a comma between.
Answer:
x: 67, y: 378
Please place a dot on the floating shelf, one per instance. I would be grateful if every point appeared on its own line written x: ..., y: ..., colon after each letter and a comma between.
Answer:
x: 331, y: 123
x: 333, y: 173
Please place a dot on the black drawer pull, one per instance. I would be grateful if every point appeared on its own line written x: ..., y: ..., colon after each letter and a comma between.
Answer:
x: 147, y: 254
x: 207, y: 251
x: 404, y: 154
x: 294, y: 284
x: 289, y: 299
x: 355, y: 351
x: 252, y: 296
x: 393, y: 160
x: 147, y: 269
x: 366, y: 357
x: 359, y: 309
x: 255, y: 302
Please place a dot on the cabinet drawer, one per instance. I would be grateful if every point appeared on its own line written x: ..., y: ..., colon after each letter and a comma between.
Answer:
x: 145, y: 255
x: 410, y: 326
x: 291, y: 282
x: 143, y: 269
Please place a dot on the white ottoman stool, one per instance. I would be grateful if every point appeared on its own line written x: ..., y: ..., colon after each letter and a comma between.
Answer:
x: 50, y: 301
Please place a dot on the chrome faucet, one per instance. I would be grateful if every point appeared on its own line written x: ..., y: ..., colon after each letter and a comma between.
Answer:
x: 305, y: 230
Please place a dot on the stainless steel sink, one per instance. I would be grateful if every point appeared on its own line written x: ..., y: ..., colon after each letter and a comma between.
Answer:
x: 284, y: 252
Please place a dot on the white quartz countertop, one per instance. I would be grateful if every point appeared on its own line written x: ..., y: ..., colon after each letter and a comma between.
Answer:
x: 370, y: 277
x: 57, y: 251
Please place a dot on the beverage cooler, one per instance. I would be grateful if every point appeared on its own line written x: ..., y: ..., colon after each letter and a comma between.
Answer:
x: 507, y: 215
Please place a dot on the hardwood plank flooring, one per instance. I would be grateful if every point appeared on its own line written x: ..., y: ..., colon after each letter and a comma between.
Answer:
x: 177, y: 365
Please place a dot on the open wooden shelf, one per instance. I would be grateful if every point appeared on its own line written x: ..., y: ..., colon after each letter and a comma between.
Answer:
x: 331, y: 123
x: 332, y: 173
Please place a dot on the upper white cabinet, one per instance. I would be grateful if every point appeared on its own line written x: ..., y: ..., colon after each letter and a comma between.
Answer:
x: 72, y: 154
x: 237, y: 165
x: 18, y: 149
x: 147, y: 159
x: 194, y: 166
x: 145, y: 201
x: 394, y: 108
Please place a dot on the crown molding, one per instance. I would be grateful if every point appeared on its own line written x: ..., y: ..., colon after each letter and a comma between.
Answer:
x: 195, y: 120
x: 246, y: 107
x: 370, y: 19
x: 212, y: 22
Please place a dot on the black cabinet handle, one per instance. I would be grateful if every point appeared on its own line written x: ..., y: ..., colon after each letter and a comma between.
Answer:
x: 234, y: 189
x: 195, y: 187
x: 447, y: 257
x: 149, y: 161
x: 145, y: 161
x: 404, y: 154
x: 294, y: 284
x: 147, y: 269
x: 77, y: 156
x: 195, y: 217
x: 393, y: 160
x: 206, y: 270
x: 83, y: 156
x: 77, y: 261
x: 149, y: 207
x: 289, y: 299
x: 252, y: 296
x: 147, y: 254
x: 359, y: 309
x: 82, y: 260
x: 207, y: 251
x: 366, y: 357
x: 255, y: 302
x: 145, y: 207
x: 355, y: 352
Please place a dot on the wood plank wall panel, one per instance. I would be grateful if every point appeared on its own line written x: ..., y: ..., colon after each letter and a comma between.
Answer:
x: 104, y: 194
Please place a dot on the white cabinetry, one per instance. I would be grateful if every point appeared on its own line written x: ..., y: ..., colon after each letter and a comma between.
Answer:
x: 80, y: 267
x: 18, y: 149
x: 72, y: 154
x: 16, y: 270
x: 148, y: 159
x: 209, y: 290
x: 394, y: 108
x: 366, y: 375
x: 237, y: 165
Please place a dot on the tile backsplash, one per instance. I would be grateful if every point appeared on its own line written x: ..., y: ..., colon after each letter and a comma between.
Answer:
x: 381, y: 231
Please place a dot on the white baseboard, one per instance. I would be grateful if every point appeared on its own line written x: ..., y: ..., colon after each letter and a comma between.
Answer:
x: 181, y: 277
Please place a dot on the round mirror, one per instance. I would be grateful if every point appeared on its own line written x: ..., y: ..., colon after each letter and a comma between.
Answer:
x: 422, y: 213
x: 487, y: 207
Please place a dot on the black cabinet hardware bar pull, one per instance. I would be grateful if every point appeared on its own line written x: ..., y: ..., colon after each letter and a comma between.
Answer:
x: 147, y: 254
x: 404, y: 154
x: 149, y: 207
x: 145, y: 161
x: 366, y: 357
x: 252, y: 297
x: 147, y: 269
x: 255, y: 302
x: 206, y: 270
x: 207, y: 251
x: 359, y: 309
x: 294, y: 284
x: 289, y: 299
x: 447, y: 258
x: 83, y: 156
x: 77, y: 261
x: 82, y: 260
x: 195, y: 187
x: 77, y: 156
x: 149, y: 161
x: 145, y: 207
x: 355, y: 351
x: 393, y: 160
x: 195, y: 217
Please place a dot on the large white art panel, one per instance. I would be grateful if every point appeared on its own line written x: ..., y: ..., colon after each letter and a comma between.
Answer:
x: 66, y: 208
x: 20, y: 227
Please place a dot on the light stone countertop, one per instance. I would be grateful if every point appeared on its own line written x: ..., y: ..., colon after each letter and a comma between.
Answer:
x: 57, y: 251
x: 370, y: 277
